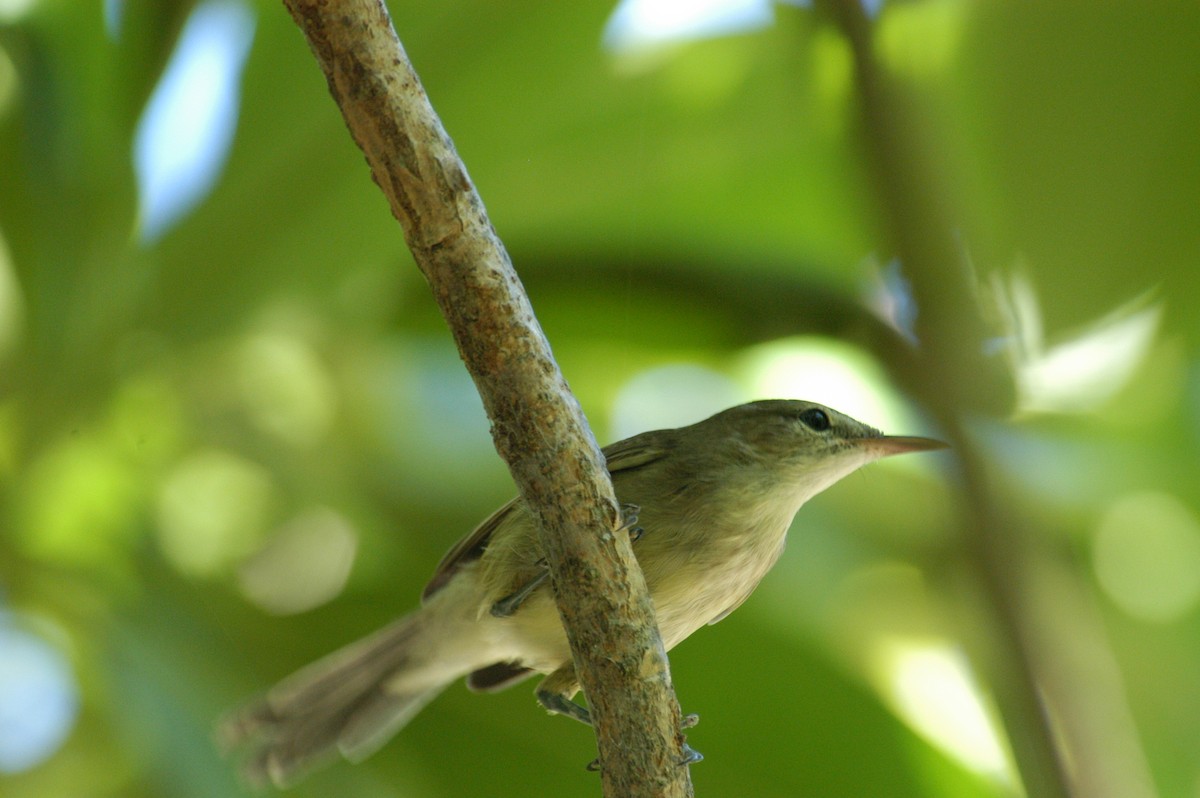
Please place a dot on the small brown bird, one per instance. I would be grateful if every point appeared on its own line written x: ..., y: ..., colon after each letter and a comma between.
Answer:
x: 715, y: 500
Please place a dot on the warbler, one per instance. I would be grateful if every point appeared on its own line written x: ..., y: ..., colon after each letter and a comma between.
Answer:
x: 713, y: 503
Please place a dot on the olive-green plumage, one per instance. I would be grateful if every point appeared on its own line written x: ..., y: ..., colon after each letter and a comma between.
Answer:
x: 714, y: 502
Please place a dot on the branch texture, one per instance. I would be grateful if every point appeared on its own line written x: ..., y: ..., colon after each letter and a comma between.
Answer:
x: 537, y: 424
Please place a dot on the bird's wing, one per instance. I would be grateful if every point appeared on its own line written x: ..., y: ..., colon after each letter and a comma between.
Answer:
x: 633, y: 453
x: 467, y: 550
x: 620, y: 456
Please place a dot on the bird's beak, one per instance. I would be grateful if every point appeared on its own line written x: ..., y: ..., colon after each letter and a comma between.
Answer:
x: 887, y: 445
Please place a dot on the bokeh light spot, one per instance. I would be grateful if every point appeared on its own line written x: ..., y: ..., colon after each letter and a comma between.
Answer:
x: 286, y: 388
x: 79, y: 503
x: 212, y: 511
x: 12, y: 11
x: 671, y: 396
x: 1081, y: 372
x: 1146, y: 556
x: 305, y: 564
x: 39, y: 699
x: 114, y: 17
x: 922, y: 39
x: 644, y: 23
x: 929, y: 685
x: 831, y: 372
x: 184, y: 136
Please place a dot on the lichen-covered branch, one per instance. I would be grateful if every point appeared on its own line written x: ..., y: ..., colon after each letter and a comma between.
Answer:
x: 537, y: 424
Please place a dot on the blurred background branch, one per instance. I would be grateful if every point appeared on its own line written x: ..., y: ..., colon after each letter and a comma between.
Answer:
x: 1061, y: 748
x: 919, y: 228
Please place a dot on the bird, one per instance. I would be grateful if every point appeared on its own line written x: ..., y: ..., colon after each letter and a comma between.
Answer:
x: 708, y: 507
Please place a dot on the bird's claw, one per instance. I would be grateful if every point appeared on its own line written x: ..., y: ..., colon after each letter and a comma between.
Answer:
x: 508, y: 605
x: 690, y: 755
x: 629, y: 519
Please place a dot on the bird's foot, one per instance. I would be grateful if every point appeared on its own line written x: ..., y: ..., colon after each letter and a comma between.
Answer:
x: 629, y: 519
x: 511, y: 603
x: 690, y: 755
x: 561, y: 705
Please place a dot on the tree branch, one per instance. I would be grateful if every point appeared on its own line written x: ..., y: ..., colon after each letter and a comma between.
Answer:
x: 537, y: 424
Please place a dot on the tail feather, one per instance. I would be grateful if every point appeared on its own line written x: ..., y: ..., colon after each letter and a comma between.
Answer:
x: 341, y: 703
x: 378, y: 721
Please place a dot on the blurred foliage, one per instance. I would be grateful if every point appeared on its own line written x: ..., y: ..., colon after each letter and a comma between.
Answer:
x: 231, y: 449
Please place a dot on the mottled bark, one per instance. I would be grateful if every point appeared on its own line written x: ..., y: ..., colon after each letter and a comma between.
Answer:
x: 537, y: 424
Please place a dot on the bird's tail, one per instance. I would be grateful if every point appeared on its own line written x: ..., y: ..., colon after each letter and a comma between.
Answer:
x: 341, y: 703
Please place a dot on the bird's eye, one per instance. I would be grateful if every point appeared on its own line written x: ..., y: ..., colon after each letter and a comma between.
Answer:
x: 816, y: 419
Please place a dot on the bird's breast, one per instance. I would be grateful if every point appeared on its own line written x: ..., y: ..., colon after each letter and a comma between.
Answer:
x: 705, y: 576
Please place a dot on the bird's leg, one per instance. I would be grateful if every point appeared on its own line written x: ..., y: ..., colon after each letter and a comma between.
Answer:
x: 512, y: 602
x: 690, y: 755
x: 629, y: 519
x: 555, y: 691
